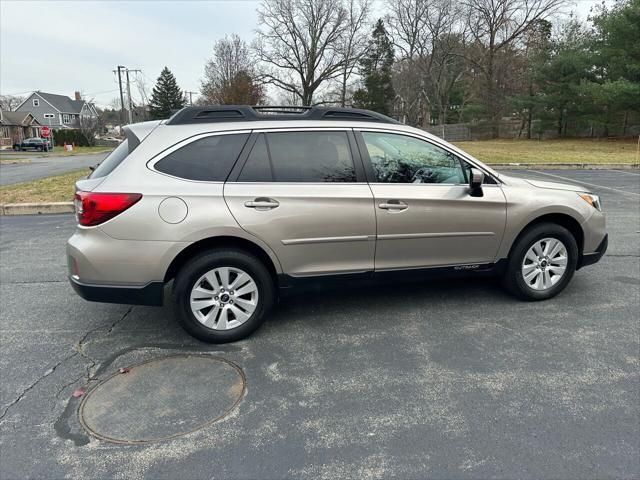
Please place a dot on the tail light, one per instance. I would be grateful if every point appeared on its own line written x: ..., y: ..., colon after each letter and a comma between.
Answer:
x: 96, y: 208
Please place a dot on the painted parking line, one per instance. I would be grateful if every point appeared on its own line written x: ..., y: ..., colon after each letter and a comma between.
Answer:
x: 637, y: 174
x: 624, y: 192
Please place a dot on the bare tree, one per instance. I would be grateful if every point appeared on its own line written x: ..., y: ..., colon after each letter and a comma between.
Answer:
x: 89, y: 125
x: 9, y: 102
x: 300, y: 44
x: 229, y: 76
x: 143, y: 89
x: 494, y: 27
x: 426, y: 33
x: 353, y: 43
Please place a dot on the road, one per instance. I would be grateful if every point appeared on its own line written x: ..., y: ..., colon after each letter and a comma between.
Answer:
x: 41, y: 167
x: 447, y: 379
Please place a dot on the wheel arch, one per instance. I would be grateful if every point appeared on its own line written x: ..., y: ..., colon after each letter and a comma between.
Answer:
x: 563, y: 219
x: 223, y: 241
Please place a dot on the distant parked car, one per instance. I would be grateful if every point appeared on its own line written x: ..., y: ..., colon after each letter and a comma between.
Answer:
x: 35, y: 143
x: 112, y: 139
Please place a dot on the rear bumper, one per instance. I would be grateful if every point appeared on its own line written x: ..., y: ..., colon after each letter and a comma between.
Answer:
x: 591, y: 258
x: 151, y: 294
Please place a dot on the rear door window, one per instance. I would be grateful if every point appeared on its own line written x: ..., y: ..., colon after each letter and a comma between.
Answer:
x: 300, y: 157
x: 208, y: 159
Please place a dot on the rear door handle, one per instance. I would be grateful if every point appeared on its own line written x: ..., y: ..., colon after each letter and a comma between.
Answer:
x: 394, y: 205
x: 262, y: 204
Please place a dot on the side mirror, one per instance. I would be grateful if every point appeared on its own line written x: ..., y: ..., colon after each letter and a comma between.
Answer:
x: 476, y: 177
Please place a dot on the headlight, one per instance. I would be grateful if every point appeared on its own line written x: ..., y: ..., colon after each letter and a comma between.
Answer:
x: 591, y: 199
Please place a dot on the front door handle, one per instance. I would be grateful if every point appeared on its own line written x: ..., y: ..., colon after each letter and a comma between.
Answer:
x: 394, y: 205
x: 262, y: 203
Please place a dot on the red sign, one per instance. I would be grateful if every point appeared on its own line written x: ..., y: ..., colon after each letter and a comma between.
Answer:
x: 44, y: 131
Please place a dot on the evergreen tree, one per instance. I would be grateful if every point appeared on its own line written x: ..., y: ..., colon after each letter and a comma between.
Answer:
x: 377, y: 93
x: 166, y: 96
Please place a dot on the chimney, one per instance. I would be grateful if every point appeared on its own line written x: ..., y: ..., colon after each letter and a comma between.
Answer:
x: 78, y: 97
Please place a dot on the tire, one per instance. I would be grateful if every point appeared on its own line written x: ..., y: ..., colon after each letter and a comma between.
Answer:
x: 542, y: 283
x: 228, y: 312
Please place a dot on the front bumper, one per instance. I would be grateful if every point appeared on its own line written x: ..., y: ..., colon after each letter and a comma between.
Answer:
x: 150, y: 294
x: 591, y: 258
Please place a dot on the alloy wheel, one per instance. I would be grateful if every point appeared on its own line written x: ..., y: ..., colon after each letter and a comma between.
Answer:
x: 544, y: 264
x: 224, y: 298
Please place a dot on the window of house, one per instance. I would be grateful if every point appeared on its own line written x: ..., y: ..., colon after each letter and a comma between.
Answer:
x: 300, y: 157
x: 65, y: 118
x: 36, y: 102
x: 207, y: 159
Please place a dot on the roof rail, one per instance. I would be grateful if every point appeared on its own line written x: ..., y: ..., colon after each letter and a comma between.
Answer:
x: 245, y: 113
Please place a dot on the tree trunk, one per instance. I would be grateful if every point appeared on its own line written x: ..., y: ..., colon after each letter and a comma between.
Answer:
x: 494, y: 111
x: 307, y: 97
x: 560, y: 118
x: 530, y: 112
x: 343, y: 93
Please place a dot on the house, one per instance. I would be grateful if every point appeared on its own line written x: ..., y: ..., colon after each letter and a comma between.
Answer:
x: 58, y: 111
x: 16, y: 126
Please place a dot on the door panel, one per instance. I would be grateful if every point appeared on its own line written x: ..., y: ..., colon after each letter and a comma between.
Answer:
x: 439, y: 225
x: 314, y: 229
x: 298, y: 191
x: 425, y: 215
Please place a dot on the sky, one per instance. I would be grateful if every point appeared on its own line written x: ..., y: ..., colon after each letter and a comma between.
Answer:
x: 64, y: 46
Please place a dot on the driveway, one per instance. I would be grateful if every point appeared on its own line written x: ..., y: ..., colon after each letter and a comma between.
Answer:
x: 40, y: 167
x: 443, y: 379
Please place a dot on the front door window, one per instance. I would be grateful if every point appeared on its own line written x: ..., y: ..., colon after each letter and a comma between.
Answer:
x: 403, y: 159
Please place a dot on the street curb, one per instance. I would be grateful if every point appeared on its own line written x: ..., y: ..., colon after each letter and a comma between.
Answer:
x: 36, y: 208
x: 564, y: 166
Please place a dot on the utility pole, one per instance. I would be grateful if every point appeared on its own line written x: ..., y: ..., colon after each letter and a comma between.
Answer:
x: 120, y: 67
x: 186, y: 92
x: 129, y: 98
x: 129, y: 94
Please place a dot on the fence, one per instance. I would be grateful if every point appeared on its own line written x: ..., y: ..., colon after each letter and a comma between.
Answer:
x: 456, y: 132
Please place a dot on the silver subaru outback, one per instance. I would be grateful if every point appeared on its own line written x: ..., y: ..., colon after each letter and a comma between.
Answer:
x: 236, y: 204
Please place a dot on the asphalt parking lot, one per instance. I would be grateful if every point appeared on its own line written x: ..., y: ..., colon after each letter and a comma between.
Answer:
x: 448, y: 379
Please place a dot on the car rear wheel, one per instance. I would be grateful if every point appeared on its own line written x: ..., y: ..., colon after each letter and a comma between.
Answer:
x: 542, y: 262
x: 223, y: 295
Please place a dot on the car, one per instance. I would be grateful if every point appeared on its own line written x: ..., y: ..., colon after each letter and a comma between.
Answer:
x: 229, y: 207
x: 35, y: 143
x: 112, y: 139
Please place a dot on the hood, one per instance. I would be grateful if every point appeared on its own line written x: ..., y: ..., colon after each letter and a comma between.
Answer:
x: 542, y: 184
x: 556, y: 186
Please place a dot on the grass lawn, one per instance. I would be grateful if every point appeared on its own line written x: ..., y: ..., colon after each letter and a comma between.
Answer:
x: 11, y: 160
x: 58, y: 151
x: 52, y: 189
x: 553, y: 151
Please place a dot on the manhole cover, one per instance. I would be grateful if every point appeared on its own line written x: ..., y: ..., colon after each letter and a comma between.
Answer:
x: 162, y: 398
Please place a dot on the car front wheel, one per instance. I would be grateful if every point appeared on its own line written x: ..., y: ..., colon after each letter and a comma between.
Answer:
x: 542, y: 262
x: 223, y: 295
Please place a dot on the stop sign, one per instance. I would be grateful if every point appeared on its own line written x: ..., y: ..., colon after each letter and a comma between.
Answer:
x: 45, y: 131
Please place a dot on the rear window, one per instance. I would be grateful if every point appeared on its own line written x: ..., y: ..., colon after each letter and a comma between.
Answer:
x: 209, y: 159
x: 114, y: 159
